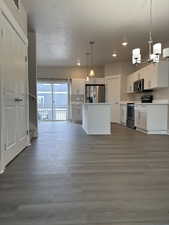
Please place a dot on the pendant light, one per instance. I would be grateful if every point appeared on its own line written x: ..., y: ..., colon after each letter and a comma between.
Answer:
x: 78, y: 62
x: 92, y: 72
x: 166, y: 53
x: 136, y: 59
x: 150, y: 41
x: 114, y: 54
x: 87, y: 64
x: 124, y: 42
x: 154, y: 50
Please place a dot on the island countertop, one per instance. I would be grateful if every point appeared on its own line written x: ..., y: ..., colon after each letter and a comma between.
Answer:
x: 96, y: 103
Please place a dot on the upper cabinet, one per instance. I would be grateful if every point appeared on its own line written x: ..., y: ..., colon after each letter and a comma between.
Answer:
x: 130, y: 82
x: 154, y: 75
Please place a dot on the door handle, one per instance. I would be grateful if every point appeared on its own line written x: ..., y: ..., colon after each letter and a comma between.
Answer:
x: 18, y: 100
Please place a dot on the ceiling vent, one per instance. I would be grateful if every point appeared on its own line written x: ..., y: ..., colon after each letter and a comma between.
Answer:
x: 17, y: 3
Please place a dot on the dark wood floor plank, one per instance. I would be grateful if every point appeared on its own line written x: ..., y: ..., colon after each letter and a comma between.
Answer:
x: 69, y: 178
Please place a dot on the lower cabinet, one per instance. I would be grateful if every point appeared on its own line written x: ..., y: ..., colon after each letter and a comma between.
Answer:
x: 151, y: 118
x: 141, y: 117
x: 123, y: 114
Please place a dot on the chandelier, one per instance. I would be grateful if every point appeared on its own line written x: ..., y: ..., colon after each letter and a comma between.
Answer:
x: 155, y: 50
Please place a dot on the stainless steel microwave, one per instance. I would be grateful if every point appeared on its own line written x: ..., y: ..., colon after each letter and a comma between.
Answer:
x: 139, y: 86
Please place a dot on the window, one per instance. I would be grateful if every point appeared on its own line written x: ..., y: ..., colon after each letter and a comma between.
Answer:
x: 16, y: 3
x: 41, y: 101
x: 52, y: 101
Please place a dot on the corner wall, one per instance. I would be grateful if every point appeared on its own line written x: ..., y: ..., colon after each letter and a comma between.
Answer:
x: 123, y: 69
x: 32, y: 75
x: 20, y: 15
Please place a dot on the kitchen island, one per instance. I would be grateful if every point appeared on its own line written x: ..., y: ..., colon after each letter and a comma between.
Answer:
x: 97, y: 118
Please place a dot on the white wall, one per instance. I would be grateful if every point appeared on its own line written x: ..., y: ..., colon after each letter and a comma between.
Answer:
x: 66, y: 72
x: 20, y: 15
x: 120, y: 68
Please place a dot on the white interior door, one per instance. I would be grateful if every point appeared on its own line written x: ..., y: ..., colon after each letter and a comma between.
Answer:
x: 113, y: 90
x: 14, y: 76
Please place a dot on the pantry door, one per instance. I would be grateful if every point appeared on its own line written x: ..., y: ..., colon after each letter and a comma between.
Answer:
x: 14, y: 78
x: 113, y: 90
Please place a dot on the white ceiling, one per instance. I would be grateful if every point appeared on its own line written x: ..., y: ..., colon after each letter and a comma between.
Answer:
x: 65, y: 27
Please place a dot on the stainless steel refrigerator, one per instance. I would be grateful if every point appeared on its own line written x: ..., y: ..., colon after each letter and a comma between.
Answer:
x: 95, y: 93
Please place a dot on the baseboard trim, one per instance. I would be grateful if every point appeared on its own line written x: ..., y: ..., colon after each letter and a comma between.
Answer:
x: 2, y: 171
x: 155, y: 132
x: 93, y: 132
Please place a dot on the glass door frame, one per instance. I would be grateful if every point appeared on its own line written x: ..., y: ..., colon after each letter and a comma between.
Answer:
x: 52, y: 83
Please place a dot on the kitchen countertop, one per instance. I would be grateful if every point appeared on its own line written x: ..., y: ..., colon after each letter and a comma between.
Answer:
x: 96, y: 104
x: 156, y: 102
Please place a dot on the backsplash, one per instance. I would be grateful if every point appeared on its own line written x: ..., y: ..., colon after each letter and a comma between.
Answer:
x: 158, y: 94
x: 137, y: 96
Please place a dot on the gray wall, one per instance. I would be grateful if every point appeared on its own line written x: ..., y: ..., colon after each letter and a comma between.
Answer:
x: 66, y: 72
x: 20, y: 15
x: 32, y: 73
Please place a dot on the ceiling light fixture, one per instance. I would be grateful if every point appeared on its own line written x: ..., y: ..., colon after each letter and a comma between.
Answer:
x: 166, y: 53
x: 124, y: 42
x: 155, y: 50
x: 87, y: 65
x: 114, y: 54
x: 78, y: 62
x: 92, y: 72
x: 136, y: 59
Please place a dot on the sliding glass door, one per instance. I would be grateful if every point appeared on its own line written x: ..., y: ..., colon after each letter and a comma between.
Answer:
x: 52, y: 101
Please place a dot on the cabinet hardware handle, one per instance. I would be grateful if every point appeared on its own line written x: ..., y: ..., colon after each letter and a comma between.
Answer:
x: 18, y: 100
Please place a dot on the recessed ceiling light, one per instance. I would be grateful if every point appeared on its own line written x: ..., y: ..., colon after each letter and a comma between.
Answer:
x: 125, y: 43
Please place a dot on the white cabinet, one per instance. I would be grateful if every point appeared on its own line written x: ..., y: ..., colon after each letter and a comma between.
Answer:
x: 123, y: 114
x: 97, y: 118
x: 152, y: 118
x: 141, y: 117
x: 78, y: 87
x: 130, y: 82
x: 154, y: 75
